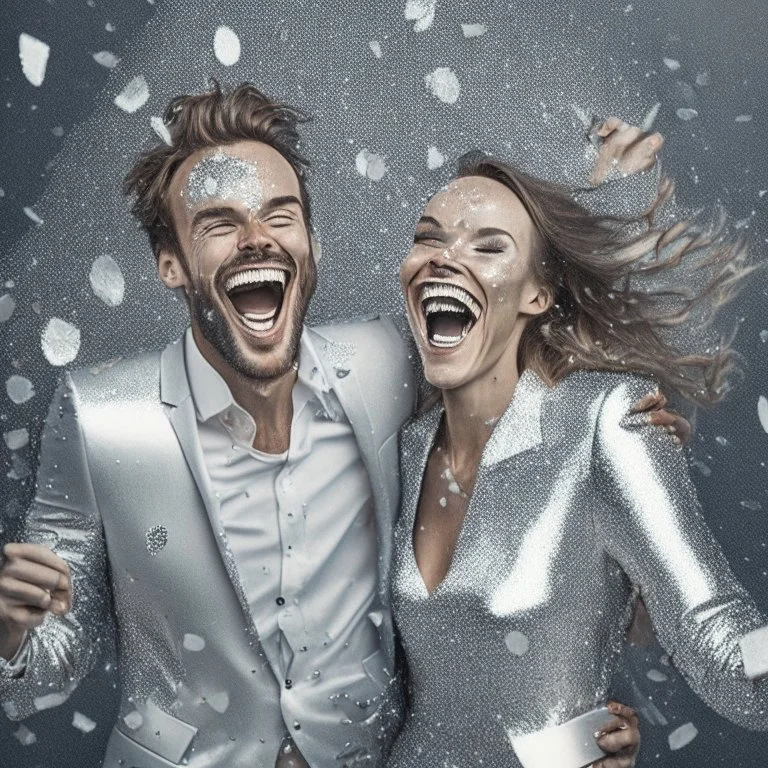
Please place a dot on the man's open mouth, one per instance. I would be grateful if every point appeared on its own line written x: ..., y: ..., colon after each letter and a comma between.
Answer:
x: 450, y: 312
x: 257, y: 294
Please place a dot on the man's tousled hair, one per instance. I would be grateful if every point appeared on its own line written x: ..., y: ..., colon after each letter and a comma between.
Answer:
x: 200, y: 121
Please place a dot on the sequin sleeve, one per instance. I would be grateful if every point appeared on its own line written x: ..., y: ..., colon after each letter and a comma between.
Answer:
x: 63, y: 516
x: 651, y: 523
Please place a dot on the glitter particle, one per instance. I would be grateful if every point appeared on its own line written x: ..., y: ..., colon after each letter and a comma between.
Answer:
x: 60, y: 341
x: 34, y: 58
x: 443, y: 84
x: 226, y: 46
x: 157, y: 539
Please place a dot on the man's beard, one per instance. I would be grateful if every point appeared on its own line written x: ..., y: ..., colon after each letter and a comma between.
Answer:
x: 218, y: 332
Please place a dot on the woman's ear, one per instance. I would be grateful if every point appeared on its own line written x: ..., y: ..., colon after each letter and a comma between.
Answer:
x: 537, y: 300
x: 170, y: 269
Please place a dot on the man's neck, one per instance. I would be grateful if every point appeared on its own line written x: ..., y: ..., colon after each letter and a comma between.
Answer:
x: 269, y: 402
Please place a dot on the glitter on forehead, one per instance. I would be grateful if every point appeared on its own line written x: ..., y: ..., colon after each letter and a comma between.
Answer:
x: 224, y: 177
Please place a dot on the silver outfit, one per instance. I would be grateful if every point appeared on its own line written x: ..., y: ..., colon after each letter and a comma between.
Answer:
x: 577, y: 507
x: 124, y: 497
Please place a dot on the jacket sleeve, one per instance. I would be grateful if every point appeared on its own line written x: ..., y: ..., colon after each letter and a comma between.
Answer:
x: 650, y: 522
x: 64, y: 516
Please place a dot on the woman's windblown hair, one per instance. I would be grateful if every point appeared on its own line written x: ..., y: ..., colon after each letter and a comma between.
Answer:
x: 621, y: 286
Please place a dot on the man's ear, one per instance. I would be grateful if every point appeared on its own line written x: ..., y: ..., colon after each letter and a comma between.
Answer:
x: 170, y: 269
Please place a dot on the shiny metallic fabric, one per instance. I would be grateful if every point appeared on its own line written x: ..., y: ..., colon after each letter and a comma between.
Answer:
x: 577, y: 507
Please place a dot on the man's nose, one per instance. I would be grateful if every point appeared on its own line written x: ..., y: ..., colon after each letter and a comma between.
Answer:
x: 256, y: 236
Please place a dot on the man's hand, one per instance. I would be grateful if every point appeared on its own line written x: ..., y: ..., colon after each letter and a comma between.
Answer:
x: 654, y: 405
x: 620, y: 736
x: 625, y: 147
x: 33, y: 582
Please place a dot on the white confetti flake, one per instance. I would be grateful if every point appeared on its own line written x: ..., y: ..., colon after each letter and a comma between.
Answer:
x: 656, y: 676
x: 702, y: 79
x: 7, y: 306
x: 109, y: 26
x: 444, y: 84
x: 49, y: 701
x: 443, y: 502
x: 650, y: 118
x: 474, y: 30
x: 743, y: 118
x: 435, y: 158
x: 60, y: 341
x: 375, y: 47
x: 160, y: 128
x: 370, y: 165
x: 106, y: 59
x: 752, y: 505
x: 226, y: 46
x: 107, y: 280
x: 672, y: 64
x: 421, y: 12
x: 16, y: 439
x: 685, y: 113
x: 133, y: 720
x: 134, y: 96
x: 32, y: 215
x: 219, y: 702
x: 19, y: 389
x: 193, y: 643
x: 24, y: 736
x: 34, y: 58
x: 82, y: 723
x: 762, y: 410
x: 682, y: 736
x: 517, y: 643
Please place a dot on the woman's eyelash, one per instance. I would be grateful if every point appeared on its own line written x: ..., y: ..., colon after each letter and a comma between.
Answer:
x: 491, y: 245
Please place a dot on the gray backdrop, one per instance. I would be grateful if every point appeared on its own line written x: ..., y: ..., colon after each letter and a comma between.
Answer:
x: 523, y: 84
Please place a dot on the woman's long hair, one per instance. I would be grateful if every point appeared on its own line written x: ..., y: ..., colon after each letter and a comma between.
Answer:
x: 616, y: 288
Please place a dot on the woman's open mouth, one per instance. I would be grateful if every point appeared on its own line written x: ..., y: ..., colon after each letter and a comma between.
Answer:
x: 257, y: 295
x: 450, y: 312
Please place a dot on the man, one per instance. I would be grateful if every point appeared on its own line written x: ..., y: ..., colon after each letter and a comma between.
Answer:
x: 224, y: 499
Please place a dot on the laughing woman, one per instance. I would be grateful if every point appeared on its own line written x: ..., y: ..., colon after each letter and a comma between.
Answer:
x: 536, y: 506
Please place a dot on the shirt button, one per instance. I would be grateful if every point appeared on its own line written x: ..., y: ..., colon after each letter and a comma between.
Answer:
x: 280, y: 601
x: 289, y: 684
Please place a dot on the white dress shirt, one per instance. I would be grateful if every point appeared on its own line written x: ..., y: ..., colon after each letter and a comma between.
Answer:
x: 302, y: 531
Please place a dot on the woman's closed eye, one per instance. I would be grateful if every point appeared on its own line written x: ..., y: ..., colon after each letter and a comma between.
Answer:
x: 494, y: 245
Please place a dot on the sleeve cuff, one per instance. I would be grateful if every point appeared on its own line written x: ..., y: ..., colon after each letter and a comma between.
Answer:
x: 16, y: 666
x: 754, y: 652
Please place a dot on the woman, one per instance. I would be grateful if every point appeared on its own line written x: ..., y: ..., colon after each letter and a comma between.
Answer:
x: 536, y: 506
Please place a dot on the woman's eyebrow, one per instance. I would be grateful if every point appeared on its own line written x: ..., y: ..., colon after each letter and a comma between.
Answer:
x: 491, y: 231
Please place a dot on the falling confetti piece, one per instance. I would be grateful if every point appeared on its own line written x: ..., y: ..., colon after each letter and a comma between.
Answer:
x: 19, y: 389
x: 133, y: 720
x: 134, y: 96
x: 226, y: 46
x: 743, y: 118
x: 685, y: 113
x: 34, y: 58
x: 82, y: 723
x: 106, y: 59
x: 219, y: 702
x: 444, y: 85
x: 682, y: 736
x: 49, y: 701
x: 702, y: 78
x: 650, y: 118
x: 32, y: 215
x: 474, y: 30
x: 762, y: 412
x: 752, y: 505
x: 16, y: 439
x: 7, y: 306
x: 370, y: 165
x: 375, y: 47
x: 517, y: 643
x: 161, y: 129
x: 107, y: 280
x: 672, y: 64
x: 422, y: 12
x: 193, y: 642
x: 60, y: 341
x: 435, y: 158
x: 24, y: 736
x: 656, y: 676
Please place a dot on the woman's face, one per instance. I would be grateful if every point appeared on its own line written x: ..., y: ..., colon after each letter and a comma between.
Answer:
x: 468, y: 281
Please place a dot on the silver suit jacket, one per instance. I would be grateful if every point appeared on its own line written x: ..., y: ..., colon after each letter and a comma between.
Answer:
x: 124, y: 497
x: 577, y: 507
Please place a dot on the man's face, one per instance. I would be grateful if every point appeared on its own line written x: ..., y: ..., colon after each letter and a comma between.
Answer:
x: 245, y: 258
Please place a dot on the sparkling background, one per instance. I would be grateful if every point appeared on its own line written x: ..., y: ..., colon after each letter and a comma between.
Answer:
x: 361, y: 73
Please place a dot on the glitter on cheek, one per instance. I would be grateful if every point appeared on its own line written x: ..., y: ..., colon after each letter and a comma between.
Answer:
x: 226, y: 178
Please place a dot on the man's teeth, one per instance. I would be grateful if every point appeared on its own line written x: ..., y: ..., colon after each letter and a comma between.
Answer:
x: 258, y: 325
x: 448, y: 291
x: 256, y: 276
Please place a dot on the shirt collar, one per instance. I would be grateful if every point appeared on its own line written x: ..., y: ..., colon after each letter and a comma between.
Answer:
x: 212, y: 396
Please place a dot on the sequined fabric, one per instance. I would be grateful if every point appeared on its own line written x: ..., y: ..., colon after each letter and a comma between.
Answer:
x: 573, y: 506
